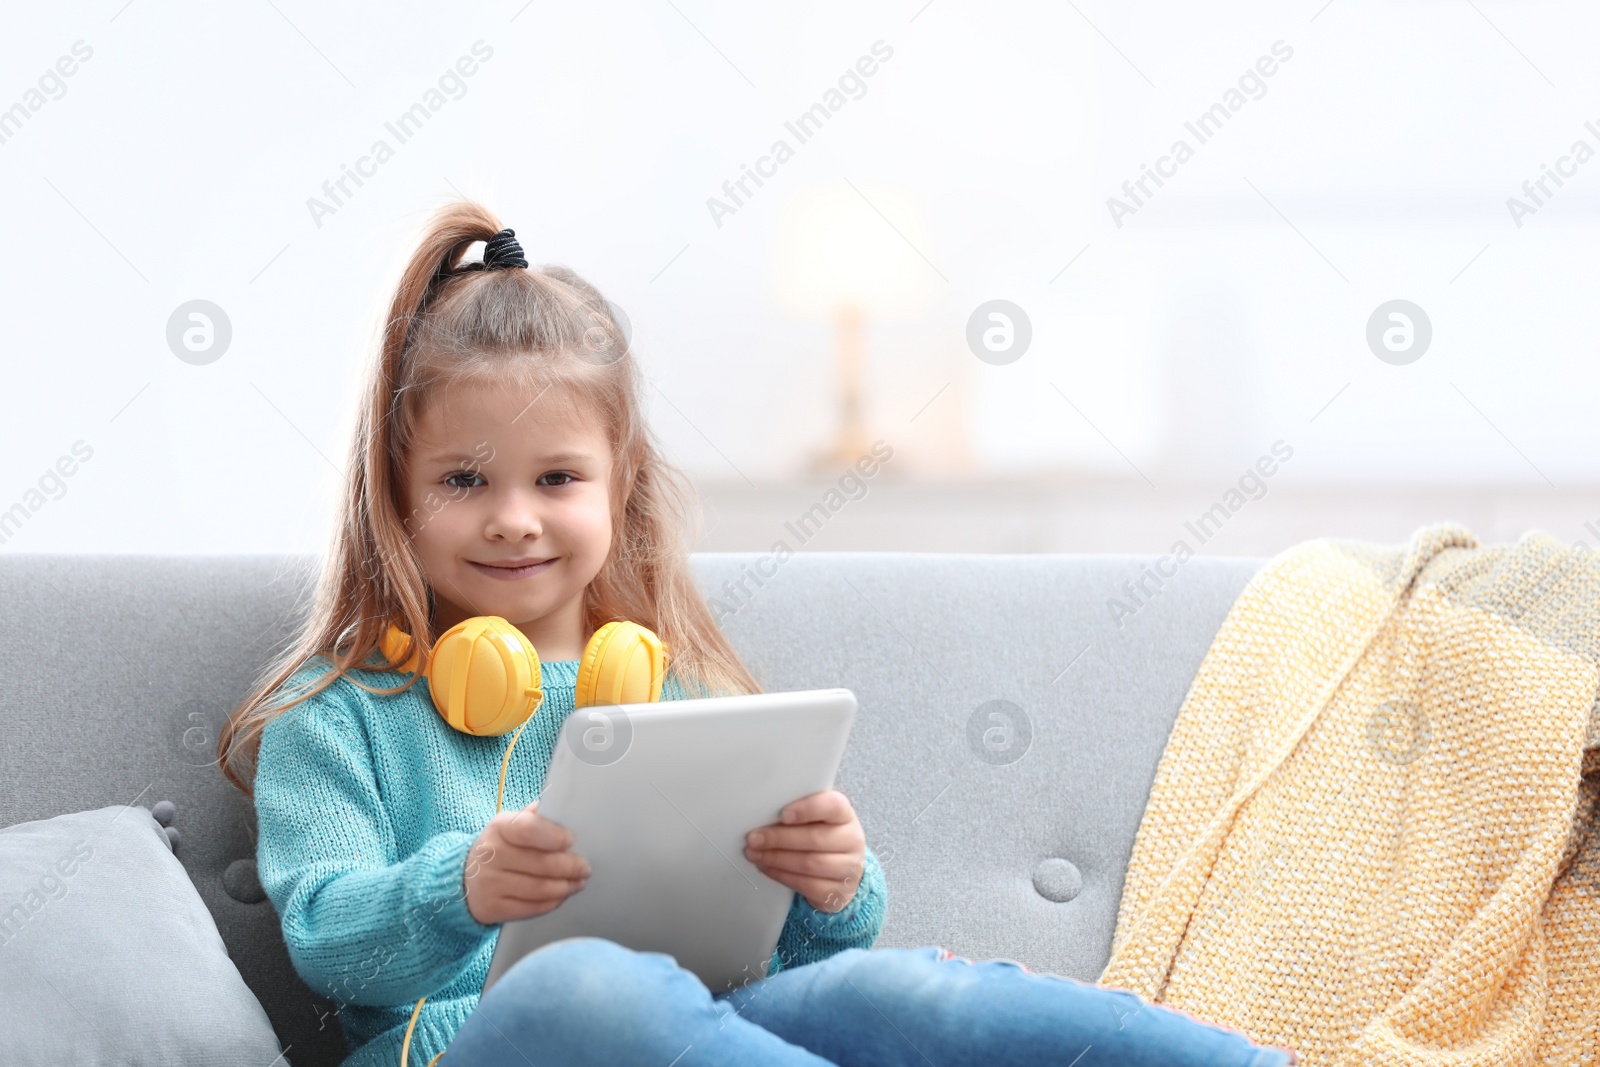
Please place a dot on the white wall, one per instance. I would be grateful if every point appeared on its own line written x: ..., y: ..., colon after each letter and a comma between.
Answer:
x: 1228, y: 312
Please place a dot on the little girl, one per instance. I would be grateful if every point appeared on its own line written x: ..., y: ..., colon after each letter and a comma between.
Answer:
x: 502, y: 466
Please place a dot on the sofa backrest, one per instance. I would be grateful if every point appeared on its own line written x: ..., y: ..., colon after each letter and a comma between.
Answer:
x: 1010, y: 723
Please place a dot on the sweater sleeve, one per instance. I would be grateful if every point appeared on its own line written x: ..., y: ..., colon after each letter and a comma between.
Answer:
x: 361, y: 925
x: 810, y: 935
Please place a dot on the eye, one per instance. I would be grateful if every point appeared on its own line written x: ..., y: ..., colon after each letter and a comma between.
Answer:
x: 450, y: 479
x: 567, y: 478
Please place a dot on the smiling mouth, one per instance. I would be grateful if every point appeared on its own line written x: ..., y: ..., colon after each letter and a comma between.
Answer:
x: 512, y: 573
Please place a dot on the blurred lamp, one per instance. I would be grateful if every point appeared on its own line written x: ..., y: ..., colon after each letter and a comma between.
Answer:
x: 838, y: 258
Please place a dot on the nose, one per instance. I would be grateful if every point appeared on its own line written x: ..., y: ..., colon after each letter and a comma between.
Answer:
x: 514, y: 516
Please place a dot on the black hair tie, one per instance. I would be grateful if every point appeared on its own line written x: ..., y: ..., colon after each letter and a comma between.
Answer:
x: 502, y: 252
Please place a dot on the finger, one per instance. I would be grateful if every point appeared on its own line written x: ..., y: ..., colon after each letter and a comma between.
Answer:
x: 839, y: 865
x: 534, y: 863
x: 529, y: 829
x: 802, y: 812
x: 811, y: 837
x: 832, y: 895
x: 539, y: 904
x: 537, y: 890
x: 785, y: 877
x: 828, y: 806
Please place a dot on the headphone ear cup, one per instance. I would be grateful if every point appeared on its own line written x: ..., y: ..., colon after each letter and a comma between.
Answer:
x: 483, y: 675
x: 395, y: 645
x: 623, y: 663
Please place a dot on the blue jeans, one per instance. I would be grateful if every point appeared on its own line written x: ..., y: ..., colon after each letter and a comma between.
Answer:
x: 586, y: 1000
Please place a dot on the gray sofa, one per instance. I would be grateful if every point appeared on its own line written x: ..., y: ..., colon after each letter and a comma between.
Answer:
x: 1008, y: 732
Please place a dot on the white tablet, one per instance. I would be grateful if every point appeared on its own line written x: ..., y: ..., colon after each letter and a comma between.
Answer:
x: 659, y: 798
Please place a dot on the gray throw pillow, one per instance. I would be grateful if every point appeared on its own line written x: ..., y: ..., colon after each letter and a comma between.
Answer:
x: 109, y: 956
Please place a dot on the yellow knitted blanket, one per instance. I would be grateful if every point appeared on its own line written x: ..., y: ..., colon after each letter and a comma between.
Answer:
x: 1373, y: 833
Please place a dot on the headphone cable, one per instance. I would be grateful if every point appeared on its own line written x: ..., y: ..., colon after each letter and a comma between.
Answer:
x: 505, y: 762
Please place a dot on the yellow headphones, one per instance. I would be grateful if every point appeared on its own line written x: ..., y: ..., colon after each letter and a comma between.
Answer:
x: 483, y: 675
x: 483, y: 672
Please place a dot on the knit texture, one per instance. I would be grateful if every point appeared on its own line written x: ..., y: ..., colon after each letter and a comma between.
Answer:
x: 1372, y: 834
x: 366, y: 807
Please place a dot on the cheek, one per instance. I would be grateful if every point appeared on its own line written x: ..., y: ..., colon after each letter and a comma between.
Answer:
x: 437, y: 526
x: 590, y: 523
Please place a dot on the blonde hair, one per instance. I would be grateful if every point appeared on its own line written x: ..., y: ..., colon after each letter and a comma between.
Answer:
x: 452, y: 323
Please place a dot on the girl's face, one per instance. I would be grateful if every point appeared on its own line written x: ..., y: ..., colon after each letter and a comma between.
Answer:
x: 508, y: 504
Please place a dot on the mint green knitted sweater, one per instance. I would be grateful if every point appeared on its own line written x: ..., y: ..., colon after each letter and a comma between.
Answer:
x: 366, y: 807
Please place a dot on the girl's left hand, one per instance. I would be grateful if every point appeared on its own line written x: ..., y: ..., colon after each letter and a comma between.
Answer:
x: 817, y: 849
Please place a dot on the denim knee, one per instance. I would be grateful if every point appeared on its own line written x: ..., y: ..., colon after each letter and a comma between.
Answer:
x: 894, y: 981
x: 891, y: 972
x: 587, y: 1000
x: 584, y: 976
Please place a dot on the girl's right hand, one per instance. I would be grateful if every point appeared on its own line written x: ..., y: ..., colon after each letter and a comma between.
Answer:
x: 520, y: 866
